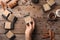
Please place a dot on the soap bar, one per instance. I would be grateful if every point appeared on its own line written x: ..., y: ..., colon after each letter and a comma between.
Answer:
x: 6, y: 13
x: 12, y: 3
x: 28, y: 19
x: 51, y: 2
x: 7, y: 25
x: 11, y: 17
x: 46, y: 7
x: 9, y: 34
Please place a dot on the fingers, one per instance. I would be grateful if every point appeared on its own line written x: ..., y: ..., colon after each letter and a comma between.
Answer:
x: 28, y: 25
x: 31, y: 24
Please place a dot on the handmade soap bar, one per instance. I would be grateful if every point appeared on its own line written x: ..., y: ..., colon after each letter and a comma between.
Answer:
x: 12, y: 3
x: 11, y: 17
x: 28, y: 19
x: 6, y: 13
x: 46, y: 7
x: 51, y: 2
x: 9, y: 34
x: 7, y: 25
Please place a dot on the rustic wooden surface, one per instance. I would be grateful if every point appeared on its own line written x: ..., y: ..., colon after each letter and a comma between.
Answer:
x: 38, y: 14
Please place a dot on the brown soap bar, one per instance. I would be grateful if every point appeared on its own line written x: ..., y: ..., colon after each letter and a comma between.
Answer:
x: 11, y: 17
x: 46, y: 7
x: 9, y: 34
x: 28, y: 19
x: 12, y: 3
x: 51, y: 2
x: 7, y: 25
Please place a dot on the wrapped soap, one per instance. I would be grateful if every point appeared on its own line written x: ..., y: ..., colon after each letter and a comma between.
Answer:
x: 9, y: 34
x: 46, y: 7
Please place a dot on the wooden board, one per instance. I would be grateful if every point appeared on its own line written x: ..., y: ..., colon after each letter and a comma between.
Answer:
x: 38, y: 14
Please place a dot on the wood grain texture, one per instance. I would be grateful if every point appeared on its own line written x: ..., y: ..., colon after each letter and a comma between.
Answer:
x: 39, y: 16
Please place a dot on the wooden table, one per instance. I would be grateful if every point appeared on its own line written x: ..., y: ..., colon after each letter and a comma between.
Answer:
x: 38, y: 14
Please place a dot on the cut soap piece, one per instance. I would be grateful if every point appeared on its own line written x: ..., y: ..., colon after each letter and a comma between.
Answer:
x: 7, y: 25
x: 12, y: 3
x: 46, y: 7
x: 11, y: 17
x: 6, y: 13
x: 9, y: 34
x: 51, y: 2
x: 28, y: 19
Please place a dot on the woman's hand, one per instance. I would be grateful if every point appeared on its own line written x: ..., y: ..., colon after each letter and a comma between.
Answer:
x: 29, y: 29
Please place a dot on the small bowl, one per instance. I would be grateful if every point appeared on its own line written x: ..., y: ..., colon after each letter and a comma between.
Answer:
x: 35, y: 1
x: 51, y: 16
x: 58, y: 12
